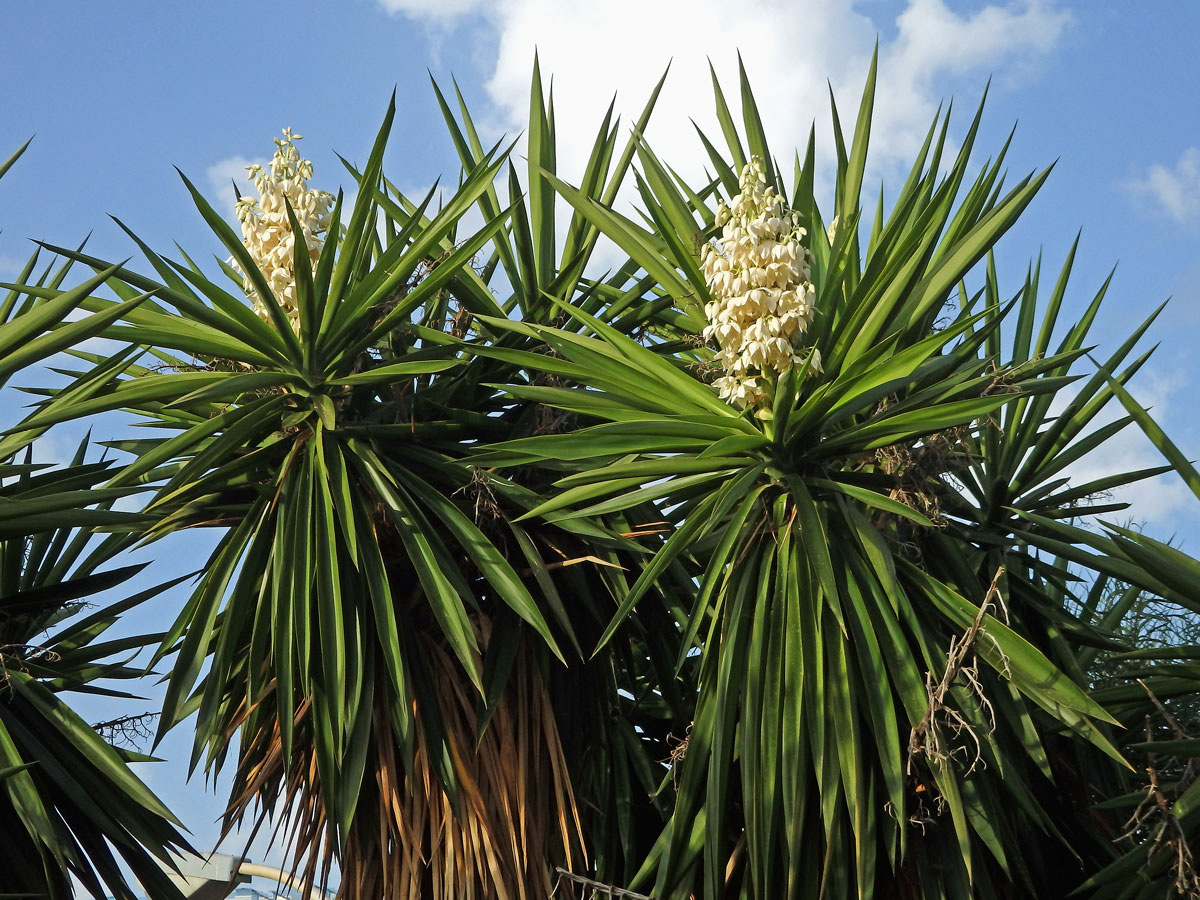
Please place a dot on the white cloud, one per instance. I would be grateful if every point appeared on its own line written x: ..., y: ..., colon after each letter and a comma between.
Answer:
x: 11, y: 266
x: 1171, y: 191
x: 57, y: 448
x: 791, y: 49
x: 1157, y: 502
x: 935, y: 47
x: 221, y: 175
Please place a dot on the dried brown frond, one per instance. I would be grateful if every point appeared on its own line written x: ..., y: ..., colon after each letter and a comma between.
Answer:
x: 705, y: 370
x: 679, y: 748
x: 214, y: 364
x: 945, y: 732
x: 1154, y: 820
x: 591, y: 890
x: 918, y: 470
x: 1003, y: 379
x: 515, y: 819
x: 424, y: 267
x: 548, y: 419
x: 127, y: 731
x: 479, y: 493
x: 14, y: 656
x: 647, y: 529
x: 562, y: 564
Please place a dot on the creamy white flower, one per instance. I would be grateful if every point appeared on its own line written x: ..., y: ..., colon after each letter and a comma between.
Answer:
x: 757, y: 272
x: 267, y: 231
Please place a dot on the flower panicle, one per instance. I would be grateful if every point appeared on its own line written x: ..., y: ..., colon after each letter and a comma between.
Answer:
x: 267, y: 231
x: 758, y: 274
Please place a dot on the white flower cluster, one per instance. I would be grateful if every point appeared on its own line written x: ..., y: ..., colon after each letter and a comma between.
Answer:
x: 266, y: 231
x: 757, y: 272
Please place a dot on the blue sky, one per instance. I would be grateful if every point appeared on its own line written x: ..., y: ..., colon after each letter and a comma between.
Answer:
x: 118, y: 94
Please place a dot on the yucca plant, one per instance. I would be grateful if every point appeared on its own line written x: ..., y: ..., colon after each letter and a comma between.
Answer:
x: 750, y: 571
x: 399, y: 660
x: 70, y: 805
x: 891, y: 701
x: 1147, y: 589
